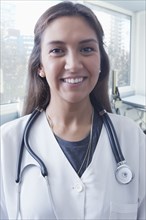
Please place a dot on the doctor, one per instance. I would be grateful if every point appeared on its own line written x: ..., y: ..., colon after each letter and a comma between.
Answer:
x: 67, y: 67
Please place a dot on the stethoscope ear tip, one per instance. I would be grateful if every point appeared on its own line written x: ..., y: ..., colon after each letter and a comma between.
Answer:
x: 124, y: 174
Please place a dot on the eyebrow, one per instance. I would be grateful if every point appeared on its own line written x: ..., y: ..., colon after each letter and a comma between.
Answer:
x: 88, y: 41
x: 81, y: 42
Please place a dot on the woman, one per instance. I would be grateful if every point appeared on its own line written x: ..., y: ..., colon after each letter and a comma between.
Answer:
x: 68, y: 81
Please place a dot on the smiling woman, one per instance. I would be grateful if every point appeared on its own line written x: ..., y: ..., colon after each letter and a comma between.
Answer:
x: 66, y: 52
x: 17, y: 44
x: 72, y: 64
x: 70, y: 147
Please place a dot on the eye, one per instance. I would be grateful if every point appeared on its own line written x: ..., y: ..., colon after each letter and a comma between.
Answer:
x: 87, y: 50
x: 57, y: 52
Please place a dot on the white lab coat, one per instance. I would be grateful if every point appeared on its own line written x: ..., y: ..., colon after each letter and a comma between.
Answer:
x: 96, y: 195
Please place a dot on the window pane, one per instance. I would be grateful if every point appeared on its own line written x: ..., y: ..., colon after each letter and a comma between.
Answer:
x: 18, y: 19
x: 117, y: 30
x: 17, y: 24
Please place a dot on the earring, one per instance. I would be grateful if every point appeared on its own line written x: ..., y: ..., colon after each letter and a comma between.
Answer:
x: 41, y: 73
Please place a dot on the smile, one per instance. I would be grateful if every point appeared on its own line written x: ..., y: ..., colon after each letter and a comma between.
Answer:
x: 73, y: 80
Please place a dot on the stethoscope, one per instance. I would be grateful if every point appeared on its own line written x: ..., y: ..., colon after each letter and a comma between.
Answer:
x: 123, y: 172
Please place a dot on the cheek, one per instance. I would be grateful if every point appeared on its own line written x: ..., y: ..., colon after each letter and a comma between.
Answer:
x: 52, y: 71
x: 49, y: 65
x: 94, y: 66
x: 95, y: 78
x: 51, y: 68
x: 94, y: 70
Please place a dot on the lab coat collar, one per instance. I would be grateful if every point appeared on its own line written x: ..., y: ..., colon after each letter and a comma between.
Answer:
x: 63, y: 179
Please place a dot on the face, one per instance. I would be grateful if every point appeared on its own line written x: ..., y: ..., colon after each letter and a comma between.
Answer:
x: 70, y: 59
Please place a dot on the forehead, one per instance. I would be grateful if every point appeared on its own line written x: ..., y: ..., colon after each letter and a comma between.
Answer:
x: 69, y: 27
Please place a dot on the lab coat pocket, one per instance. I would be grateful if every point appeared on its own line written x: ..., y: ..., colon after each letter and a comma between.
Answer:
x: 123, y: 211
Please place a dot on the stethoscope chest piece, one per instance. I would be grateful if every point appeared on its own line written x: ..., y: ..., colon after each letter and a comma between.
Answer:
x: 123, y: 174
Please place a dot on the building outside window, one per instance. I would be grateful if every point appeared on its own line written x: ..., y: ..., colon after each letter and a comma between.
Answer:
x: 17, y: 26
x: 117, y: 30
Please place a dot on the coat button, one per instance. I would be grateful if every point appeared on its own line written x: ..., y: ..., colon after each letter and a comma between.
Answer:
x: 78, y: 187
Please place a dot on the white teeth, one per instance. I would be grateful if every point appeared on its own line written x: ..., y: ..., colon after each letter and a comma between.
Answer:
x: 73, y: 80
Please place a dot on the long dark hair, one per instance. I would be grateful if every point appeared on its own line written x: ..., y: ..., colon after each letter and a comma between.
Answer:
x: 38, y: 91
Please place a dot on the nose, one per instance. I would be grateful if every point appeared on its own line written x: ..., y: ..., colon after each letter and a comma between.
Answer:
x: 73, y: 62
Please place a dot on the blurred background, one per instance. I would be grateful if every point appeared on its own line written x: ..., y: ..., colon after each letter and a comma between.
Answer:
x: 124, y: 24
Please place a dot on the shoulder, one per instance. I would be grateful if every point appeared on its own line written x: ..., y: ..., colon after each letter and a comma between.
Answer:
x: 12, y: 133
x: 128, y: 131
x: 13, y: 130
x: 123, y: 122
x: 14, y: 126
x: 11, y: 139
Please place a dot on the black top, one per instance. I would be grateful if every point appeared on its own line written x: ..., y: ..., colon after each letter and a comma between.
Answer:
x: 75, y: 151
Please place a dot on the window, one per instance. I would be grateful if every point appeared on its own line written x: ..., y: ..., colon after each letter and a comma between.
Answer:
x: 117, y: 30
x: 17, y: 24
x: 18, y: 20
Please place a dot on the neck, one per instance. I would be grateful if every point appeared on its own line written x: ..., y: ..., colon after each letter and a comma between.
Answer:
x: 71, y: 121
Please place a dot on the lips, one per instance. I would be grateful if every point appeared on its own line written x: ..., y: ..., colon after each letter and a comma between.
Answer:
x: 73, y: 80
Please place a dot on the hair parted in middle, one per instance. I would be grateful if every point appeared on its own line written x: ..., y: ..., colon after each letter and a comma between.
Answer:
x: 38, y: 91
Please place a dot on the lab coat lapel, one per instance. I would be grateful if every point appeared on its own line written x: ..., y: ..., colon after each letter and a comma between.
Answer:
x: 66, y: 187
x: 98, y: 179
x: 68, y: 190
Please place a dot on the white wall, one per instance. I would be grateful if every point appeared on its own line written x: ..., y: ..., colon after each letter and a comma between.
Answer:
x: 140, y: 53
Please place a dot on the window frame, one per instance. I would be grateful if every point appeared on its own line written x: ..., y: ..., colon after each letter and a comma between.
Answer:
x: 124, y: 91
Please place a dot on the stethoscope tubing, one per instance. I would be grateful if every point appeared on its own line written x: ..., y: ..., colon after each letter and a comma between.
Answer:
x: 123, y: 173
x: 25, y: 143
x: 115, y: 146
x: 22, y: 148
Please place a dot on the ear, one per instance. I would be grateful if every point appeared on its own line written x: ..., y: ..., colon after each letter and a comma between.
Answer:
x: 41, y: 72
